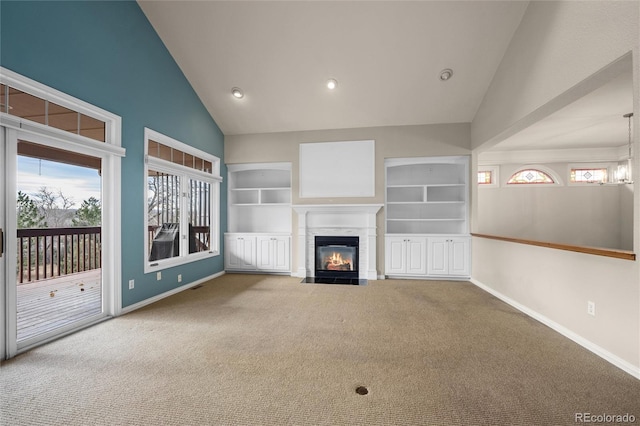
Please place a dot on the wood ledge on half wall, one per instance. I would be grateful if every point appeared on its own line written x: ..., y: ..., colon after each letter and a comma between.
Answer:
x: 618, y: 254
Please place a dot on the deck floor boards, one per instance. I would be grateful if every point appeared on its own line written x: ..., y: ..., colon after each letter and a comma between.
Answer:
x: 48, y: 304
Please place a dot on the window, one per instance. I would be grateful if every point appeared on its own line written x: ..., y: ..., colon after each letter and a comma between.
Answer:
x: 530, y: 176
x: 588, y: 175
x: 44, y: 111
x: 487, y: 176
x: 183, y: 202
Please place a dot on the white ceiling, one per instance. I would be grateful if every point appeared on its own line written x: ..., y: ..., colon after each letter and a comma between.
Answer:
x: 593, y: 121
x: 386, y: 56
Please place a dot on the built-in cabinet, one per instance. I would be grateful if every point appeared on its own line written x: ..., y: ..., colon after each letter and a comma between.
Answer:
x: 448, y: 256
x: 273, y: 253
x: 427, y: 217
x: 257, y: 252
x: 406, y: 255
x: 239, y: 251
x: 259, y: 218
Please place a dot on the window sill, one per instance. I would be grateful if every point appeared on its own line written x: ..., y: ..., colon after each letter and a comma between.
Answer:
x: 618, y: 254
x: 161, y: 264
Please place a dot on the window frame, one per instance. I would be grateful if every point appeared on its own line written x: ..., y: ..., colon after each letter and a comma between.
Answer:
x: 540, y: 168
x: 185, y: 174
x: 109, y: 151
x: 113, y: 122
x: 611, y: 167
x: 495, y: 176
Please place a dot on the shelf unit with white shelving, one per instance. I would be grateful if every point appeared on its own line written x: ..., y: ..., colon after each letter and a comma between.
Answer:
x: 426, y: 200
x: 427, y: 195
x: 259, y: 218
x: 260, y: 197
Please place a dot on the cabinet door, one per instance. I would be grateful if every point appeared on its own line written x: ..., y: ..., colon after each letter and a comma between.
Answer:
x: 416, y: 257
x: 281, y: 254
x: 231, y: 253
x: 264, y: 252
x: 395, y: 256
x: 273, y: 253
x: 240, y: 252
x: 459, y: 258
x: 437, y: 263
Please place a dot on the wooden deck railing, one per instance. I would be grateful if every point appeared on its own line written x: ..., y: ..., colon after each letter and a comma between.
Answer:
x: 53, y: 252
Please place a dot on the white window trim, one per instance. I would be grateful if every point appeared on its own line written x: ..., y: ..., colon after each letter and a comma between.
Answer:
x: 495, y: 173
x: 610, y: 166
x: 113, y: 123
x: 110, y: 151
x: 212, y: 178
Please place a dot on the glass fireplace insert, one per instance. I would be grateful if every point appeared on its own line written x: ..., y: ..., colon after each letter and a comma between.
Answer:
x: 336, y: 257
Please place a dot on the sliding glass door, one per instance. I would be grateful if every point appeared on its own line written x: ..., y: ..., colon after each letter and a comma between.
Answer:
x: 55, y: 239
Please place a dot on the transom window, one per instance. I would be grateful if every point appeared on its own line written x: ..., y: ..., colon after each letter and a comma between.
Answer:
x: 44, y: 111
x: 174, y: 155
x: 485, y: 177
x: 530, y: 176
x: 588, y: 175
x: 182, y: 202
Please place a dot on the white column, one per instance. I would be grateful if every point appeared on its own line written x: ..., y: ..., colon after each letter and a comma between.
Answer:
x: 372, y: 247
x: 302, y: 244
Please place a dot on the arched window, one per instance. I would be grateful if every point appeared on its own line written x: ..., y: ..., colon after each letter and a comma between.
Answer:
x: 530, y: 176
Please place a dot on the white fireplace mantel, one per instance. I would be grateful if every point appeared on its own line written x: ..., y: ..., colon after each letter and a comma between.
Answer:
x: 339, y: 220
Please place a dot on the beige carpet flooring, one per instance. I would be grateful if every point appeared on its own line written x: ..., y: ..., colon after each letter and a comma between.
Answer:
x: 264, y: 350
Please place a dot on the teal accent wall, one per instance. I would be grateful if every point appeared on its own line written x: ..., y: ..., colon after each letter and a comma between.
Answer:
x: 108, y: 54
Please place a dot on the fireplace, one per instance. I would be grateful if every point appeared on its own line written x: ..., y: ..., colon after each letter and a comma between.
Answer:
x: 345, y: 220
x: 336, y: 258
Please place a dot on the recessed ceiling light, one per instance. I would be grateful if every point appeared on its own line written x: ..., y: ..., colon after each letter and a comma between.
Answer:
x: 237, y: 93
x: 332, y: 83
x: 446, y: 74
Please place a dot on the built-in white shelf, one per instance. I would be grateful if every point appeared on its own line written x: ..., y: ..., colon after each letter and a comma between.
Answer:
x: 426, y: 217
x: 427, y: 195
x: 259, y: 197
x: 259, y: 218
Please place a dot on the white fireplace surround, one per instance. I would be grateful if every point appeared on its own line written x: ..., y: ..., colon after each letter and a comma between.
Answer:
x: 337, y: 220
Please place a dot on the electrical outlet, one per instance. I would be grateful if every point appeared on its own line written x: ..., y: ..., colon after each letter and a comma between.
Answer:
x: 131, y: 284
x: 158, y: 276
x: 179, y: 278
x: 591, y: 308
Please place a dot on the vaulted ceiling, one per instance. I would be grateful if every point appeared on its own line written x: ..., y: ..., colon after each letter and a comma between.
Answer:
x: 385, y: 55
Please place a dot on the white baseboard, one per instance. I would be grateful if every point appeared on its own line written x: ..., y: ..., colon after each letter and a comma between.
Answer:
x: 602, y: 353
x: 176, y: 290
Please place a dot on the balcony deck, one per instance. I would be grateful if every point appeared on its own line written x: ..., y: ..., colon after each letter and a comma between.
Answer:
x: 47, y: 304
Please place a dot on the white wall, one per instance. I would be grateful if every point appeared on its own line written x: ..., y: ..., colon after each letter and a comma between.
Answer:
x: 390, y: 142
x: 558, y: 45
x: 585, y: 215
x: 556, y: 285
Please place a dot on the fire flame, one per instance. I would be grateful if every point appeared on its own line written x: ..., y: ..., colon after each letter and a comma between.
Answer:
x: 337, y: 262
x: 336, y: 259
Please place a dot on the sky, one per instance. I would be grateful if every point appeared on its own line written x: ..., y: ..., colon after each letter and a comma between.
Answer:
x: 78, y: 183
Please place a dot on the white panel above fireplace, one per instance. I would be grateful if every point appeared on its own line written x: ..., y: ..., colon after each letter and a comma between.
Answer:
x: 337, y: 169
